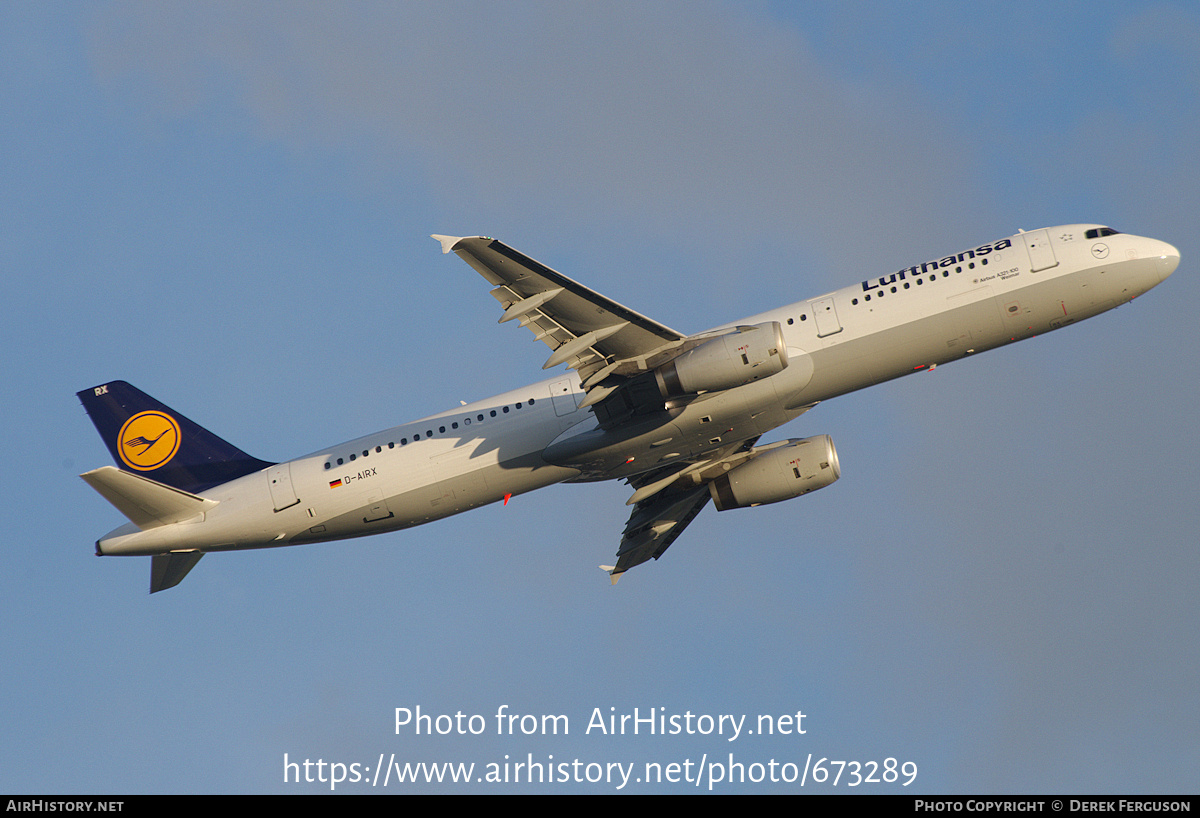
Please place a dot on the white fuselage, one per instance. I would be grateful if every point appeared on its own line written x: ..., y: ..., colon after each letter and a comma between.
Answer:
x: 925, y: 315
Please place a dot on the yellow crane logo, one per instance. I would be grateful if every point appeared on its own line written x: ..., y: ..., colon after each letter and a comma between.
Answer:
x: 148, y: 440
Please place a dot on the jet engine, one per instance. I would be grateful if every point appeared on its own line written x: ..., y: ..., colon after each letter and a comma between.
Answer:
x: 781, y: 473
x: 747, y: 354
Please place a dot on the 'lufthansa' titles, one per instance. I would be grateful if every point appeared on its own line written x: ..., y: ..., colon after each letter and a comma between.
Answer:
x: 932, y: 266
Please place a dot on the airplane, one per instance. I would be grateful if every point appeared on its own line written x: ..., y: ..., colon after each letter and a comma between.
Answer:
x: 679, y: 417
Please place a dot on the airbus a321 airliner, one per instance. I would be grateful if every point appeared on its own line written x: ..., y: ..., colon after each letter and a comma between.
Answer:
x: 679, y: 417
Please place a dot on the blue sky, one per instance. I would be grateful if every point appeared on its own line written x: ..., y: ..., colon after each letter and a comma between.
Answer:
x: 229, y: 206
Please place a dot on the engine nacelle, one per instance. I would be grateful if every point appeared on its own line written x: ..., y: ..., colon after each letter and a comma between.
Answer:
x: 778, y: 474
x: 740, y: 357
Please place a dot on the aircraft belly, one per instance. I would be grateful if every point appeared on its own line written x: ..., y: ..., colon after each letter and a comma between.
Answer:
x: 434, y: 500
x: 597, y: 452
x: 708, y: 423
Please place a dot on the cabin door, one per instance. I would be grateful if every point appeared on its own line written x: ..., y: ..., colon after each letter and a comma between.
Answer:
x: 282, y: 493
x: 1041, y: 254
x: 826, y: 317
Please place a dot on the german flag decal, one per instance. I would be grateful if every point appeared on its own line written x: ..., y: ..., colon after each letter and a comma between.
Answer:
x: 334, y: 483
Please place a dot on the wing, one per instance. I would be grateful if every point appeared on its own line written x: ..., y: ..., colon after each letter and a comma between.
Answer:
x: 666, y: 500
x: 592, y: 334
x: 614, y: 350
x: 654, y: 525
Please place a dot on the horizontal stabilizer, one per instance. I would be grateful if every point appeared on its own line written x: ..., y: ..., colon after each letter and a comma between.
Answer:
x: 168, y: 570
x: 146, y: 503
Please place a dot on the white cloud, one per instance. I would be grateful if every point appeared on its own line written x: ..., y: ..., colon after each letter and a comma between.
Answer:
x: 702, y: 118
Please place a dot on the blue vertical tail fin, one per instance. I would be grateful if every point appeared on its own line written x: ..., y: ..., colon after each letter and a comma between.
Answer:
x: 149, y: 438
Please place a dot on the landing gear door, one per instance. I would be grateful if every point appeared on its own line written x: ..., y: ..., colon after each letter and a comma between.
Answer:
x: 826, y: 317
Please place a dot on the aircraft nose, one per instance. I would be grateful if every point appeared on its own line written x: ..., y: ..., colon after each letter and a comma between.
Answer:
x: 1168, y: 260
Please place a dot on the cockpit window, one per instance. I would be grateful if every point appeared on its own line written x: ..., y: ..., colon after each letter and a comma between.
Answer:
x: 1098, y: 232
